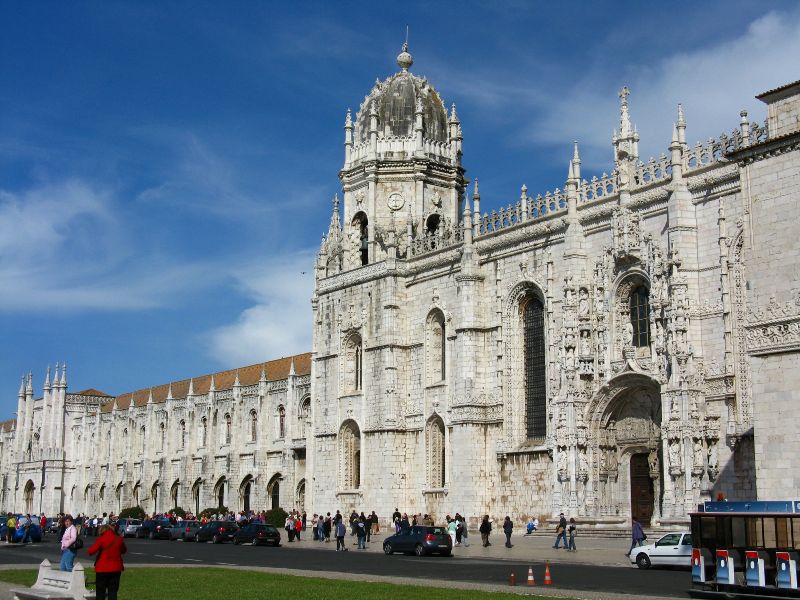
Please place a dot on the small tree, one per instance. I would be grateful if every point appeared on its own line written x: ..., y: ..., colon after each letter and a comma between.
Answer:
x: 178, y: 512
x: 277, y: 517
x: 133, y: 512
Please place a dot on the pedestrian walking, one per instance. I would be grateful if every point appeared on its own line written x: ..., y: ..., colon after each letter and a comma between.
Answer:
x: 452, y: 526
x: 108, y: 565
x: 637, y: 535
x: 572, y: 530
x: 485, y: 529
x: 561, y: 531
x: 69, y: 546
x: 361, y: 533
x: 508, y: 527
x: 464, y: 533
x: 11, y: 527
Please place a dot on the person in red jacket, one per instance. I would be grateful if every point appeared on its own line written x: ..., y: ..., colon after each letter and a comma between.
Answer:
x: 108, y: 566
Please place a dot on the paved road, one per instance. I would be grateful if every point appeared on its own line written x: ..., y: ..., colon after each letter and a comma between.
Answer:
x: 582, y: 577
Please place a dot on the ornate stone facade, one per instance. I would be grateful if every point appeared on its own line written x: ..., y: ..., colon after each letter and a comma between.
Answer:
x: 644, y: 399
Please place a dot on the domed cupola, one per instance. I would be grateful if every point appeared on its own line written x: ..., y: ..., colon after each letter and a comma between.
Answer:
x: 395, y: 102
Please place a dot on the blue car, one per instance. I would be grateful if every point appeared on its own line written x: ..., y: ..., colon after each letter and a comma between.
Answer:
x: 34, y: 530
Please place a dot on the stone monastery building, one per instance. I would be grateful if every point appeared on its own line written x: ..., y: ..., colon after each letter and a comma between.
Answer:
x: 626, y: 345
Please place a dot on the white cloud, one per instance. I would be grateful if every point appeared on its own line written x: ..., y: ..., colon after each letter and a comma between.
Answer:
x: 63, y: 246
x: 279, y: 323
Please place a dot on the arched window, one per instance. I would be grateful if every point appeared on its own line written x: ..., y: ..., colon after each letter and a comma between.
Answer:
x: 640, y: 317
x: 182, y: 433
x: 274, y: 491
x: 253, y: 426
x: 305, y: 415
x: 281, y: 422
x: 108, y: 445
x: 174, y: 494
x: 354, y: 365
x: 350, y: 455
x: 163, y: 436
x: 532, y: 312
x: 360, y: 224
x: 436, y: 453
x: 203, y: 431
x: 228, y: 431
x: 141, y: 441
x: 436, y: 347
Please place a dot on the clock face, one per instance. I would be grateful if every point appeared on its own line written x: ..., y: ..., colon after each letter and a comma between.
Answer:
x: 395, y: 201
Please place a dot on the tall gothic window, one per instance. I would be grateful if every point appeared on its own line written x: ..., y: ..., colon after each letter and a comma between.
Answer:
x: 141, y: 441
x: 436, y: 453
x: 253, y: 425
x: 203, y: 431
x: 350, y: 455
x: 182, y: 433
x: 534, y: 357
x: 354, y: 365
x: 436, y: 351
x: 305, y: 415
x: 281, y: 422
x: 228, y: 432
x: 640, y: 316
x: 163, y: 435
x: 361, y: 225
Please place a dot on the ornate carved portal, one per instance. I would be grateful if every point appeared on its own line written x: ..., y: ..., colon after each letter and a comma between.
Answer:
x: 626, y: 432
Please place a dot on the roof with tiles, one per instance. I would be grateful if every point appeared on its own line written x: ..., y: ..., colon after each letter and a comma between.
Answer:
x: 93, y: 392
x: 275, y: 371
x: 6, y: 426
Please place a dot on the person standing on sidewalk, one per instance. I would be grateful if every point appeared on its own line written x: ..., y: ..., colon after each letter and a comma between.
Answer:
x: 361, y: 532
x: 572, y: 529
x: 561, y: 531
x: 485, y: 529
x: 508, y: 527
x: 68, y: 549
x: 341, y: 531
x: 637, y: 535
x: 464, y: 533
x: 108, y: 566
x: 452, y: 528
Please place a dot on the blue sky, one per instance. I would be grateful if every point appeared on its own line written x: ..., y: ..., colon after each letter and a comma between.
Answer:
x: 166, y: 168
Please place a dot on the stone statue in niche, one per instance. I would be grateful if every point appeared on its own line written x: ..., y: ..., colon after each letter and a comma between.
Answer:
x: 612, y: 461
x: 675, y: 454
x: 583, y: 463
x: 631, y: 339
x: 652, y: 461
x: 585, y: 346
x: 697, y: 453
x: 562, y: 465
x: 583, y: 303
x: 598, y: 302
x: 713, y: 461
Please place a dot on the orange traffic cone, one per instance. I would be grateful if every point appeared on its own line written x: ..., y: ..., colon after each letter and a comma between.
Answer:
x: 547, y: 579
x: 513, y: 579
x: 531, y: 580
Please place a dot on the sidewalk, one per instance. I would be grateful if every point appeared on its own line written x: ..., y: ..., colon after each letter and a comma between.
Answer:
x: 591, y: 550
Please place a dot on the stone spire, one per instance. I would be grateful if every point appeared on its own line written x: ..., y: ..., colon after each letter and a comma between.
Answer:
x: 64, y: 375
x: 236, y: 382
x: 576, y: 162
x: 626, y: 144
x: 29, y: 385
x: 404, y: 59
x: 348, y: 138
x: 191, y: 388
x: 21, y: 393
x: 169, y: 392
x: 212, y: 387
x: 476, y: 209
x: 292, y: 372
x: 150, y: 396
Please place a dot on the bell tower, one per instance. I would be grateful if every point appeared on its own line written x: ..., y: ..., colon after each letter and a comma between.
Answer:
x: 402, y: 175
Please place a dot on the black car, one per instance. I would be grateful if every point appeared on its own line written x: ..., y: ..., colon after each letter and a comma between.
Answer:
x: 258, y: 534
x: 216, y: 531
x: 420, y: 540
x: 154, y: 529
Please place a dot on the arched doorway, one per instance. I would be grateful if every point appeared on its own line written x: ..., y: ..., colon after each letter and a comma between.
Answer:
x: 154, y: 496
x: 244, y: 493
x: 274, y: 491
x: 300, y: 503
x: 623, y: 474
x: 137, y: 492
x: 219, y: 492
x: 28, y: 496
x: 118, y: 496
x: 174, y: 492
x: 196, y: 496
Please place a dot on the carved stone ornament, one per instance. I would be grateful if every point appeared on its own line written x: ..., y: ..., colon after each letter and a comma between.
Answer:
x: 395, y: 201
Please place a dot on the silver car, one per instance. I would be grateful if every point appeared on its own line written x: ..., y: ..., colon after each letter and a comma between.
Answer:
x: 129, y: 527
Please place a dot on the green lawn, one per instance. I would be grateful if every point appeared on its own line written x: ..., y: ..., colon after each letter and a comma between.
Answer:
x: 216, y: 583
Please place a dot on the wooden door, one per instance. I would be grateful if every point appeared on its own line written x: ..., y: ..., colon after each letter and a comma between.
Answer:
x: 642, y: 496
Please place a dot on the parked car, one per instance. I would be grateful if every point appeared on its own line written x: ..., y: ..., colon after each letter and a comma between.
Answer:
x: 216, y: 532
x: 184, y: 530
x: 128, y: 527
x: 421, y: 540
x: 154, y: 529
x: 257, y: 534
x: 51, y: 526
x: 670, y: 550
x: 35, y: 531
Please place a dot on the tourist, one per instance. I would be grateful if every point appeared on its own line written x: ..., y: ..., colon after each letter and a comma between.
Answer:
x: 341, y: 531
x: 452, y: 528
x: 298, y: 526
x: 289, y: 526
x: 459, y: 529
x: 508, y: 527
x: 68, y: 544
x: 485, y: 529
x: 376, y: 528
x: 561, y: 531
x: 572, y: 529
x: 108, y: 565
x: 464, y: 533
x: 321, y: 529
x: 361, y: 532
x: 328, y: 526
x: 25, y: 525
x: 637, y: 535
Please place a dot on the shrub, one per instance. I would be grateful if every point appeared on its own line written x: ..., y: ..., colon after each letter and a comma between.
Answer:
x: 210, y: 512
x: 277, y: 517
x: 178, y: 512
x: 133, y: 512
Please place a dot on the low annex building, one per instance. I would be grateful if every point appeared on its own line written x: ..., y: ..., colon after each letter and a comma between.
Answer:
x: 626, y: 345
x: 235, y: 438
